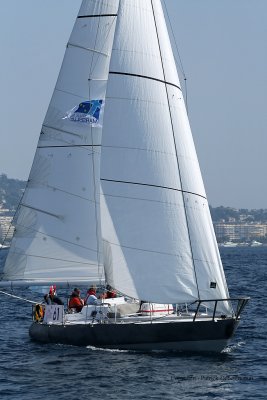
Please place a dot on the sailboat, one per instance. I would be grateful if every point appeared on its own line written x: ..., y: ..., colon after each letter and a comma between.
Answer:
x: 115, y: 195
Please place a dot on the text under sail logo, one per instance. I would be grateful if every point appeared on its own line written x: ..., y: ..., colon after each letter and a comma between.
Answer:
x: 87, y: 112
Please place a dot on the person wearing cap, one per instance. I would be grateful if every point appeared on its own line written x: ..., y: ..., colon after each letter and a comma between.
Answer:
x: 52, y: 298
x: 53, y: 290
x: 76, y: 303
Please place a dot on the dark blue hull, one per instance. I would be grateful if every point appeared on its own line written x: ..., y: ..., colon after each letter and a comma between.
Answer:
x: 183, y: 336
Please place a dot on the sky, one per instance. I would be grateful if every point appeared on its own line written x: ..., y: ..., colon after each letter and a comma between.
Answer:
x: 222, y: 45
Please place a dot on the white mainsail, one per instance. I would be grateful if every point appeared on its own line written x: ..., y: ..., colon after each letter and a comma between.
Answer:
x: 159, y: 243
x: 57, y: 228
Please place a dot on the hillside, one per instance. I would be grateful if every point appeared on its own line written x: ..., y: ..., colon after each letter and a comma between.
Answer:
x: 242, y: 215
x: 11, y: 191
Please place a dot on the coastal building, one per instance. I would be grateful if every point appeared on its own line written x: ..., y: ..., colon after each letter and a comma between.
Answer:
x: 6, y: 229
x: 244, y: 232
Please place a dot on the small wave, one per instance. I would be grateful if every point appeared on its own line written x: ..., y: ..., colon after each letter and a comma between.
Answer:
x: 93, y: 348
x: 233, y: 347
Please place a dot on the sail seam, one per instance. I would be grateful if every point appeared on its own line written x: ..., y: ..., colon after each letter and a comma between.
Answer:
x: 138, y: 149
x: 53, y: 258
x: 159, y: 252
x: 167, y: 203
x: 145, y: 101
x: 42, y: 211
x: 145, y: 77
x: 86, y: 49
x: 147, y: 250
x: 97, y: 15
x: 32, y: 183
x: 156, y: 186
x: 52, y: 237
x: 60, y: 130
x: 67, y: 92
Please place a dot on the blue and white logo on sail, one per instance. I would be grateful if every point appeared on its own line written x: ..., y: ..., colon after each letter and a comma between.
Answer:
x: 87, y: 112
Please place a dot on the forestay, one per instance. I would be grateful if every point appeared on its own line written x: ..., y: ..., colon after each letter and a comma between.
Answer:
x: 57, y: 224
x: 159, y: 243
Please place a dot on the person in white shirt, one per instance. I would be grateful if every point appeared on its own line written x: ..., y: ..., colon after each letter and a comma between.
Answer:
x: 91, y: 298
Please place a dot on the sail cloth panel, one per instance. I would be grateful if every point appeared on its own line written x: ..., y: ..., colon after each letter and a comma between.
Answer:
x: 57, y: 226
x: 153, y: 201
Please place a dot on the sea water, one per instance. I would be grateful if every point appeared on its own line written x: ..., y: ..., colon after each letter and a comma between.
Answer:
x: 35, y: 371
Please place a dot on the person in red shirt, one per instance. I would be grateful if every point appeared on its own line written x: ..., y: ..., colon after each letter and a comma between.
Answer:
x: 76, y: 303
x: 111, y: 293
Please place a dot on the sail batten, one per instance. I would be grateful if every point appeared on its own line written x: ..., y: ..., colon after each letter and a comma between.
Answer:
x: 149, y: 184
x: 87, y: 49
x: 85, y: 146
x: 97, y: 16
x: 145, y: 77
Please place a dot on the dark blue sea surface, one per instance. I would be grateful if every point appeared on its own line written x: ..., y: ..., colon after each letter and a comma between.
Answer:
x: 35, y: 371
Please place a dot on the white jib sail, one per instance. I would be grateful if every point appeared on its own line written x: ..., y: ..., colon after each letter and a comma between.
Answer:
x: 57, y: 231
x: 159, y: 243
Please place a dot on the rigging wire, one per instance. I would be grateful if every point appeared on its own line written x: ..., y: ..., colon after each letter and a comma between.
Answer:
x: 93, y: 152
x: 17, y: 297
x: 179, y: 62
